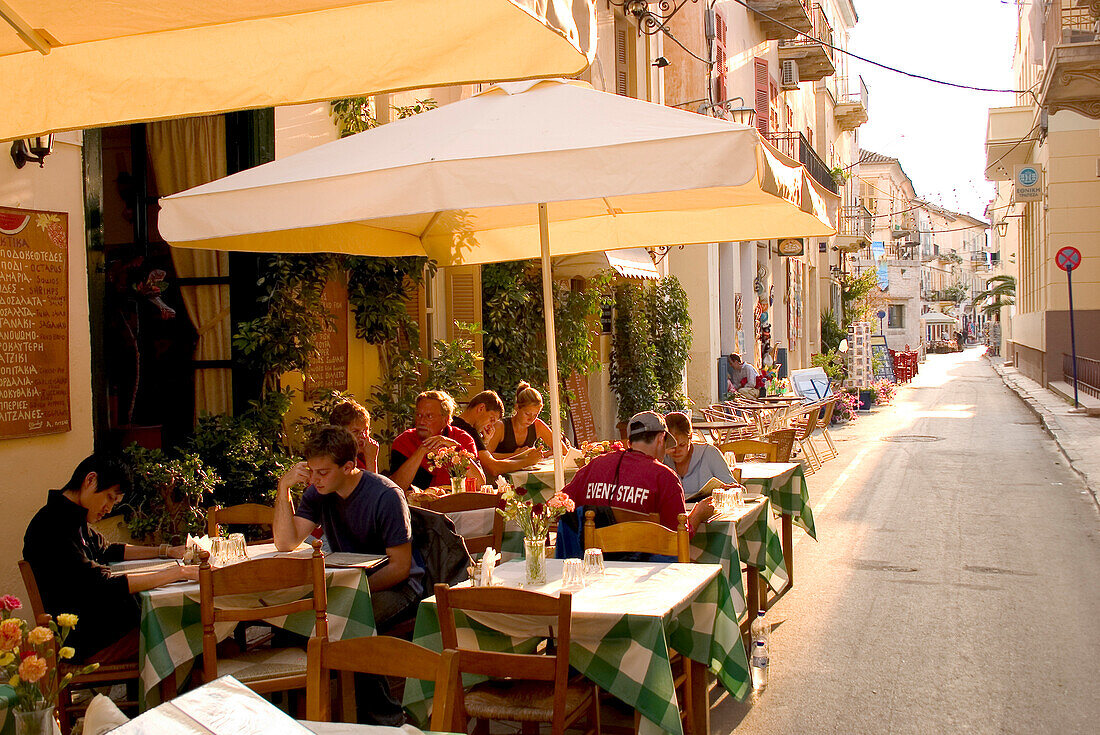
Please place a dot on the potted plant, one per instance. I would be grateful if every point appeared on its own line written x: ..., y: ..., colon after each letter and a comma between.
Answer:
x: 29, y: 662
x: 632, y: 373
x: 165, y: 503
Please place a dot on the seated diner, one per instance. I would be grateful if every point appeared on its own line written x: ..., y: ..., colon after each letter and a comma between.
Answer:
x: 409, y: 451
x: 480, y: 419
x: 695, y: 463
x: 356, y: 419
x: 69, y: 559
x: 523, y: 429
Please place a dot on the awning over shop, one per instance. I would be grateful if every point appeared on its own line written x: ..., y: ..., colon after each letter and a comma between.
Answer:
x: 935, y: 317
x: 629, y: 263
x: 70, y: 65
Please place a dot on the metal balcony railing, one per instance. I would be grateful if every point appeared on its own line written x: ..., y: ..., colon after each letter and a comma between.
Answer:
x: 822, y: 33
x: 856, y: 221
x: 797, y: 147
x: 1067, y: 23
x: 846, y: 96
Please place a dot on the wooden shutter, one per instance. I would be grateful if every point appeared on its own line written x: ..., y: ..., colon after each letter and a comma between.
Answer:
x: 773, y: 108
x: 721, y: 60
x: 463, y: 287
x: 760, y: 67
x: 622, y: 57
x: 414, y: 304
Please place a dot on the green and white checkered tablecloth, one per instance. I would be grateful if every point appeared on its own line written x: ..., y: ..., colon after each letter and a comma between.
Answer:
x: 623, y: 627
x: 171, y: 626
x: 7, y: 719
x: 785, y: 484
x: 747, y: 535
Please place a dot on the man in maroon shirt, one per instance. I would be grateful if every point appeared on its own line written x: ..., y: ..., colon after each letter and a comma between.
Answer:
x: 409, y: 451
x: 635, y: 479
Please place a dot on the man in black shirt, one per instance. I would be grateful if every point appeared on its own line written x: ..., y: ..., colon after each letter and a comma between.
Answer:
x: 481, y: 416
x: 69, y: 558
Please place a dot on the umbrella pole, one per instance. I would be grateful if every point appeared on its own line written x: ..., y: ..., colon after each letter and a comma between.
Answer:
x: 551, y: 347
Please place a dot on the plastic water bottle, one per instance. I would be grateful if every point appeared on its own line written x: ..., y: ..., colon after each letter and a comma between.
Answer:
x: 761, y: 629
x: 759, y: 654
x: 759, y: 665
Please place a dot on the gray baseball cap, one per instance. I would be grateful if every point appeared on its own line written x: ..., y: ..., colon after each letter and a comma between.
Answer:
x: 646, y: 422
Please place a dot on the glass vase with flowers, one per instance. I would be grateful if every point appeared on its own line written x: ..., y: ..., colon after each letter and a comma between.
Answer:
x: 455, y: 461
x: 29, y: 663
x: 535, y: 520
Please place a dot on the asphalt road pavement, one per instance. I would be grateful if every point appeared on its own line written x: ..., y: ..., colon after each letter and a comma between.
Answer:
x: 956, y: 583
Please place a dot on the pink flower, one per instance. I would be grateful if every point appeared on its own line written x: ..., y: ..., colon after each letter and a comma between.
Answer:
x: 10, y: 602
x: 32, y: 669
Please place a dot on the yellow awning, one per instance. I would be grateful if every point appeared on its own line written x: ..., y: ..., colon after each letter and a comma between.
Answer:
x: 69, y: 65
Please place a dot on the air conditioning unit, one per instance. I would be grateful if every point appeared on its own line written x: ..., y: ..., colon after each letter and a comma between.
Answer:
x: 789, y: 74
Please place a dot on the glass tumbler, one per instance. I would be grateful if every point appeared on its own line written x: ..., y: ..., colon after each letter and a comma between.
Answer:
x: 573, y: 575
x: 593, y: 563
x: 238, y: 549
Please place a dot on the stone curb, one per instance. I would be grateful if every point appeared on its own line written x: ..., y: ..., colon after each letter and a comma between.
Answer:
x: 1051, y: 425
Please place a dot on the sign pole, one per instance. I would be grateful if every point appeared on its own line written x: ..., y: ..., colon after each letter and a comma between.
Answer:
x: 1068, y: 258
x: 1072, y: 334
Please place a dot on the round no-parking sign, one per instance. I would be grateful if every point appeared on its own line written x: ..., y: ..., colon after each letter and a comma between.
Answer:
x: 1068, y: 258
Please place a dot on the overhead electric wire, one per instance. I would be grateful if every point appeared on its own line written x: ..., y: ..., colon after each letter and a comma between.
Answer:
x: 877, y: 63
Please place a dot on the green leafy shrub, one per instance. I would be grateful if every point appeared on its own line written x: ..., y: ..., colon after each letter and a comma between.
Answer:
x: 166, y: 501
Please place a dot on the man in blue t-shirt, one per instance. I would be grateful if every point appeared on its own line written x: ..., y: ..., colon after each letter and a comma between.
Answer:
x: 360, y: 512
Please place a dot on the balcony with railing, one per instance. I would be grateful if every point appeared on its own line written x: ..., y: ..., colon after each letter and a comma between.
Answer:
x: 797, y: 147
x: 855, y: 228
x: 1071, y: 79
x: 851, y: 106
x: 794, y: 13
x: 812, y: 51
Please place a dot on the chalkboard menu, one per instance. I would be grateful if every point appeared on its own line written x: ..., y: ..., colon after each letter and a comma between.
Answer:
x: 329, y: 367
x: 580, y: 409
x: 34, y: 323
x: 884, y: 362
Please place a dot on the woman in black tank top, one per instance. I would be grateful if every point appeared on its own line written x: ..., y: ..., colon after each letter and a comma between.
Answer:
x: 523, y: 428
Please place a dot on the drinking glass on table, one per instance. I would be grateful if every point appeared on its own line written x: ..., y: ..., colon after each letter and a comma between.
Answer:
x: 238, y: 549
x: 593, y: 563
x: 219, y: 547
x: 720, y: 500
x: 572, y: 575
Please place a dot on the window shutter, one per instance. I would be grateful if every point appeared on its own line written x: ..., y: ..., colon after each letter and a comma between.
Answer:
x: 721, y: 60
x: 760, y: 67
x: 773, y: 96
x: 414, y: 304
x: 622, y: 59
x: 463, y: 286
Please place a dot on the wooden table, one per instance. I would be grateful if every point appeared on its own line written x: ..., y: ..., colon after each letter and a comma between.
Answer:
x: 720, y: 430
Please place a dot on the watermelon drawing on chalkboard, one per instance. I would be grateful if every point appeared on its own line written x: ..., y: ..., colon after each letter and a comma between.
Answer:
x: 13, y: 224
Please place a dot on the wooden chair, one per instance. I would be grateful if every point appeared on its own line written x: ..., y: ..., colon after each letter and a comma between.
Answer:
x: 120, y: 673
x: 643, y: 537
x: 270, y: 670
x: 622, y: 515
x: 459, y: 502
x: 245, y: 514
x: 784, y: 443
x: 745, y: 447
x: 823, y: 429
x: 805, y: 424
x: 385, y: 656
x: 648, y: 538
x: 525, y: 688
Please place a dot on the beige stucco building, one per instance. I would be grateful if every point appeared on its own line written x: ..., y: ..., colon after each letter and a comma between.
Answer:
x: 1057, y: 134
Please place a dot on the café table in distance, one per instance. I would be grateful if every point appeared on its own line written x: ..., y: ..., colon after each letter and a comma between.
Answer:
x: 744, y: 535
x: 721, y: 430
x: 171, y: 628
x: 785, y: 484
x: 623, y: 627
x: 539, y: 479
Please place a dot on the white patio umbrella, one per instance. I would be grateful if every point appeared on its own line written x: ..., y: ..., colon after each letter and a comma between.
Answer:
x: 524, y: 170
x: 69, y: 65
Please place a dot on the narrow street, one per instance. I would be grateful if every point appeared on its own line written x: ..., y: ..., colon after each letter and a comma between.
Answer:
x: 956, y: 583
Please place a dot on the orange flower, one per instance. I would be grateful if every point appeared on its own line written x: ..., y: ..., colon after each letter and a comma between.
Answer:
x: 32, y: 669
x: 39, y: 636
x: 11, y: 634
